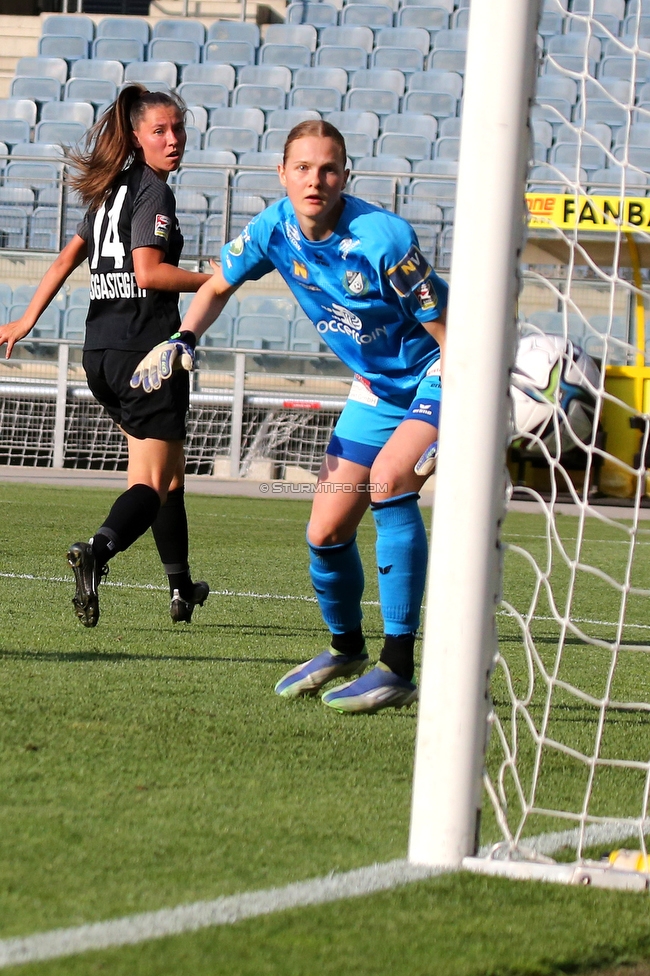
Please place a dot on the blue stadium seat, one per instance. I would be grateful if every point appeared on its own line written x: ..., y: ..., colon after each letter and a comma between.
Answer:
x: 322, y: 78
x: 23, y: 294
x: 250, y: 118
x: 608, y: 181
x: 36, y: 89
x: 348, y: 35
x: 79, y: 297
x: 375, y: 90
x: 551, y: 23
x: 180, y: 30
x: 433, y: 93
x: 124, y: 49
x: 210, y: 74
x: 567, y: 153
x: 367, y: 14
x: 197, y: 116
x: 60, y: 132
x: 291, y: 55
x: 93, y: 90
x: 622, y: 66
x: 43, y: 229
x: 264, y: 305
x: 191, y: 231
x: 560, y: 174
x: 6, y: 295
x: 42, y: 68
x: 232, y: 30
x: 48, y: 325
x: 71, y: 48
x: 420, y: 210
x: 74, y: 323
x: 303, y: 337
x: 571, y: 52
x: 447, y: 59
x: 431, y: 18
x: 265, y: 185
x: 618, y: 88
x: 268, y: 159
x: 266, y: 97
x: 638, y: 135
x: 135, y: 28
x: 18, y: 196
x: 96, y: 68
x: 286, y: 118
x: 273, y: 140
x: 213, y: 235
x: 177, y: 51
x: 211, y: 183
x: 406, y: 59
x: 360, y: 129
x: 247, y: 207
x: 237, y: 139
x: 13, y: 131
x: 383, y: 190
x: 542, y: 133
x: 304, y: 35
x: 18, y: 108
x: 210, y: 96
x: 210, y: 157
x: 69, y: 24
x: 314, y: 13
x: 193, y: 137
x: 554, y: 87
x: 275, y: 75
x: 152, y: 71
x: 236, y: 53
x: 411, y: 146
x: 404, y: 37
x: 4, y: 152
x: 638, y: 156
x: 261, y: 332
x: 190, y: 201
x: 312, y: 97
x: 219, y: 335
x: 340, y: 56
x: 632, y: 23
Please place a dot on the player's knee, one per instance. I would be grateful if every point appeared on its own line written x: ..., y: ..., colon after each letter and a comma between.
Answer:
x: 326, y: 534
x: 387, y: 479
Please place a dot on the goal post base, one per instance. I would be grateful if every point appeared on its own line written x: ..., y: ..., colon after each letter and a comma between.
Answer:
x: 589, y: 874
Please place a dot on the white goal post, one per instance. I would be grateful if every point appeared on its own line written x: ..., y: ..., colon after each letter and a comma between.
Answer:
x: 566, y: 769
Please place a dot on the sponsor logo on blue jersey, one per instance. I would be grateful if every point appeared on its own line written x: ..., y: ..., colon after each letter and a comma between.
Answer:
x: 293, y: 235
x: 346, y: 322
x: 410, y: 272
x: 348, y: 244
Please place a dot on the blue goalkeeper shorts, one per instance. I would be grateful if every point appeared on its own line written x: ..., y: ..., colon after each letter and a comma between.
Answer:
x: 367, y: 422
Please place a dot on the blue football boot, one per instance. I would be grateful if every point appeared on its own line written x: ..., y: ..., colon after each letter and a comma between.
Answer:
x: 379, y: 688
x: 307, y: 679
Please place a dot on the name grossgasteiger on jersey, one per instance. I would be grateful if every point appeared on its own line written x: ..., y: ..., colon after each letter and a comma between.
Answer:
x: 140, y: 211
x: 367, y: 288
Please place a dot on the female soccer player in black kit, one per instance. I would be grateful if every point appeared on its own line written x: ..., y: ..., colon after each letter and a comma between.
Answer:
x: 133, y: 243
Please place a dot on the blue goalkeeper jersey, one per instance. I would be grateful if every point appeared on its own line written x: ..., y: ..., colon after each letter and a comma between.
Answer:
x: 367, y: 288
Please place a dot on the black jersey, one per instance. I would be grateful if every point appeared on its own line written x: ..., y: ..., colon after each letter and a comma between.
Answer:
x: 140, y: 211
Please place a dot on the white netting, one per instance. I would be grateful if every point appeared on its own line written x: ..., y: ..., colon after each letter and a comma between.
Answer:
x: 568, y: 762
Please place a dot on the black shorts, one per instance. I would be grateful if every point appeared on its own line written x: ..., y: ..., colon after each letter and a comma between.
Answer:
x: 160, y: 415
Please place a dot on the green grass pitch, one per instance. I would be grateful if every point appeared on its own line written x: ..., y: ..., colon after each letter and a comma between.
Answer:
x: 146, y: 765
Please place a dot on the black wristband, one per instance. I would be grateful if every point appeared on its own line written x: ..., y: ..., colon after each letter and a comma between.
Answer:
x: 189, y: 338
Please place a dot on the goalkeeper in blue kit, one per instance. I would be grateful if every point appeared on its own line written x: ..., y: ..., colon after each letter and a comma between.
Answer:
x: 359, y: 275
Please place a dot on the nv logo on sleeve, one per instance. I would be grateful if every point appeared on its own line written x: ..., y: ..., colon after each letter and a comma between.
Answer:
x: 410, y: 272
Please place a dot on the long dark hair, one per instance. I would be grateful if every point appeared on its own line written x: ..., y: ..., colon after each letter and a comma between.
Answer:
x: 315, y: 127
x: 108, y: 146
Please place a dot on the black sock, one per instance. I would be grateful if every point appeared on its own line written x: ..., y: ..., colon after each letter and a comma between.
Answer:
x: 397, y: 654
x: 171, y: 537
x: 133, y: 512
x: 350, y: 643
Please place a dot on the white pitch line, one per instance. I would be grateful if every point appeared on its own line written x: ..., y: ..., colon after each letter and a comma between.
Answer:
x: 228, y: 910
x: 206, y: 914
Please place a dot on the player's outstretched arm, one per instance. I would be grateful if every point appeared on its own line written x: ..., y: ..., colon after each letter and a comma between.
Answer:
x: 70, y: 258
x: 177, y: 352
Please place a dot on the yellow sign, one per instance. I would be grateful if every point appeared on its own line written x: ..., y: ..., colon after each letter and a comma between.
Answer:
x: 604, y: 214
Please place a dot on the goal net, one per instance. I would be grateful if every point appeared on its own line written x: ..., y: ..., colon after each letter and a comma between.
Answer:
x: 556, y: 749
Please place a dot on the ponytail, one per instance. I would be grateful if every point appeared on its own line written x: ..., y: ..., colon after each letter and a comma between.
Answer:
x: 109, y: 147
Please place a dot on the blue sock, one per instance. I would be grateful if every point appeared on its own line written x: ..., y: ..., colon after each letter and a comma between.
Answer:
x: 401, y: 561
x: 337, y: 577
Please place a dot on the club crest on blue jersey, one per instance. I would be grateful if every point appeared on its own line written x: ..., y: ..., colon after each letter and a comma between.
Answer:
x: 355, y: 283
x: 237, y: 246
x: 410, y: 272
x: 426, y: 295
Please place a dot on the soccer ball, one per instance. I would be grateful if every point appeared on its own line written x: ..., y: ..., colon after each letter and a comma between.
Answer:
x: 552, y: 388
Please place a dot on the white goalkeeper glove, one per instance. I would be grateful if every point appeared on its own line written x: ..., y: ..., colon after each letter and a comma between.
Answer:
x: 427, y: 463
x: 177, y: 352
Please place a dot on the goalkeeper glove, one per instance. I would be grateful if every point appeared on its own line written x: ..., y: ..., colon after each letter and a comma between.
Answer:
x: 427, y: 463
x: 177, y: 352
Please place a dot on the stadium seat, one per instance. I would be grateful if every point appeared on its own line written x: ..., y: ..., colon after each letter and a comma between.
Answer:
x: 232, y: 30
x: 265, y: 185
x: 210, y: 74
x: 276, y: 75
x: 322, y: 78
x: 405, y: 59
x: 356, y: 122
x: 93, y: 90
x: 71, y: 48
x: 433, y: 93
x: 431, y: 18
x: 263, y: 305
x: 213, y: 235
x: 638, y: 156
x: 190, y: 225
x: 210, y: 157
x: 124, y: 49
x: 290, y: 55
x: 608, y: 181
x: 383, y: 190
x: 261, y: 332
x: 179, y: 52
x: 368, y: 15
x: 69, y: 24
x: 14, y: 131
x: 556, y: 86
x: 190, y: 201
x: 273, y: 140
x: 348, y: 36
x: 74, y: 323
x: 266, y: 97
x: 404, y: 37
x: 180, y: 30
x: 447, y: 59
x: 148, y: 71
x: 552, y: 323
x: 375, y: 90
x: 286, y: 118
x: 49, y: 323
x: 571, y: 52
x: 314, y: 13
x: 632, y: 23
x: 560, y: 173
x: 95, y: 68
x: 18, y: 196
x: 270, y: 160
x: 550, y: 23
x: 237, y: 139
x: 43, y: 229
x: 637, y: 135
x: 13, y: 230
x: 197, y: 116
x: 412, y: 146
x: 135, y: 28
x: 18, y: 108
x: 42, y: 68
x: 542, y: 132
x: 36, y: 89
x: 60, y: 132
x: 312, y: 97
x: 79, y: 297
x: 250, y: 118
x: 567, y: 153
x: 247, y: 207
x: 209, y: 96
x: 303, y: 337
x: 4, y: 152
x: 219, y: 335
x: 236, y: 53
x: 339, y: 56
x: 304, y: 35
